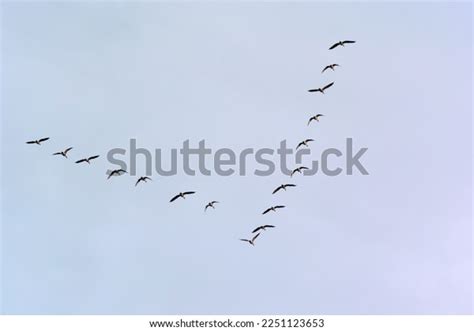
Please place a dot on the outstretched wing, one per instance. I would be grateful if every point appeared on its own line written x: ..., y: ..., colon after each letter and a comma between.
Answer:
x: 81, y: 160
x: 325, y: 68
x: 301, y: 143
x: 246, y: 240
x: 266, y: 211
x: 314, y: 90
x: 189, y: 192
x: 348, y: 42
x: 290, y: 185
x: 334, y: 46
x: 277, y: 189
x: 67, y: 150
x: 43, y: 139
x: 255, y: 237
x: 269, y: 226
x: 57, y: 153
x: 303, y: 168
x: 138, y: 181
x: 93, y: 157
x: 257, y: 229
x: 309, y: 140
x: 31, y: 142
x: 277, y: 207
x: 328, y: 86
x: 311, y: 118
x: 174, y: 198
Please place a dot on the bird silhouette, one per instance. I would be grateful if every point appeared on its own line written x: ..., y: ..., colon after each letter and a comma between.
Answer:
x: 117, y: 172
x: 251, y: 241
x: 263, y: 227
x: 87, y: 160
x: 315, y: 118
x: 298, y: 170
x: 342, y: 43
x: 283, y: 187
x: 142, y: 179
x: 330, y: 66
x: 63, y: 153
x: 38, y: 141
x: 211, y: 204
x: 181, y: 195
x: 304, y: 143
x: 321, y: 89
x: 274, y: 208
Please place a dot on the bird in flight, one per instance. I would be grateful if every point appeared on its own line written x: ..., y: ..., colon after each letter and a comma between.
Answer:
x: 321, y: 89
x: 304, y: 143
x: 88, y: 159
x: 211, y: 204
x: 342, y: 43
x: 117, y: 172
x: 274, y: 208
x: 181, y: 195
x: 63, y: 153
x: 142, y: 179
x: 283, y: 187
x: 38, y: 141
x: 251, y: 241
x: 315, y: 118
x: 298, y: 170
x: 263, y: 227
x: 330, y: 66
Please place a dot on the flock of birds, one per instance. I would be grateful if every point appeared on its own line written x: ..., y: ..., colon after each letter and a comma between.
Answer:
x: 257, y: 231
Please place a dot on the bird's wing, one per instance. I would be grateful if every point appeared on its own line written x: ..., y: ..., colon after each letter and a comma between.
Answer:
x: 255, y: 237
x: 259, y: 228
x: 311, y: 119
x: 31, y: 142
x: 214, y: 202
x: 93, y: 157
x: 304, y: 168
x: 308, y: 140
x: 266, y: 211
x: 189, y: 192
x: 334, y: 46
x: 348, y: 42
x: 246, y: 240
x: 276, y: 207
x: 301, y: 143
x: 174, y: 198
x: 207, y: 206
x: 43, y: 139
x: 81, y: 160
x: 58, y: 153
x: 328, y: 86
x: 290, y: 185
x: 146, y: 178
x: 138, y: 181
x: 319, y: 115
x: 314, y: 90
x: 113, y: 172
x: 277, y: 189
x: 67, y: 150
x: 325, y: 68
x: 269, y: 226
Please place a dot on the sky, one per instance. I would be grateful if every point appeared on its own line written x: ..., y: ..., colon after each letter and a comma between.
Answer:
x: 95, y: 75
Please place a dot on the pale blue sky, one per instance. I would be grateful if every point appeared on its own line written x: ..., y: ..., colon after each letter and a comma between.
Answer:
x: 94, y: 75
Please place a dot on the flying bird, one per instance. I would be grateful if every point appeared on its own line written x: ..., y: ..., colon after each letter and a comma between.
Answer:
x: 330, y: 66
x: 38, y: 141
x: 315, y: 118
x: 283, y: 187
x: 142, y: 179
x: 251, y: 241
x: 304, y: 143
x: 321, y: 89
x: 181, y: 195
x: 211, y: 204
x: 263, y: 227
x: 298, y: 170
x: 63, y: 153
x: 342, y: 43
x: 274, y: 208
x: 88, y: 159
x: 117, y: 172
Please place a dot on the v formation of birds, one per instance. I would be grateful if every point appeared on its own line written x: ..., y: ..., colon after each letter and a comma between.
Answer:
x: 257, y: 231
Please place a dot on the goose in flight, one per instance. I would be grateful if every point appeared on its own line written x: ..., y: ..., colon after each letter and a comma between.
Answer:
x: 298, y: 170
x: 181, y: 195
x: 251, y: 241
x: 63, y: 153
x: 88, y: 159
x: 315, y: 118
x: 37, y: 141
x: 263, y: 227
x: 117, y: 172
x: 304, y: 143
x: 274, y: 208
x: 211, y: 204
x: 283, y: 187
x: 142, y: 179
x: 330, y: 66
x: 342, y: 43
x: 321, y: 89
